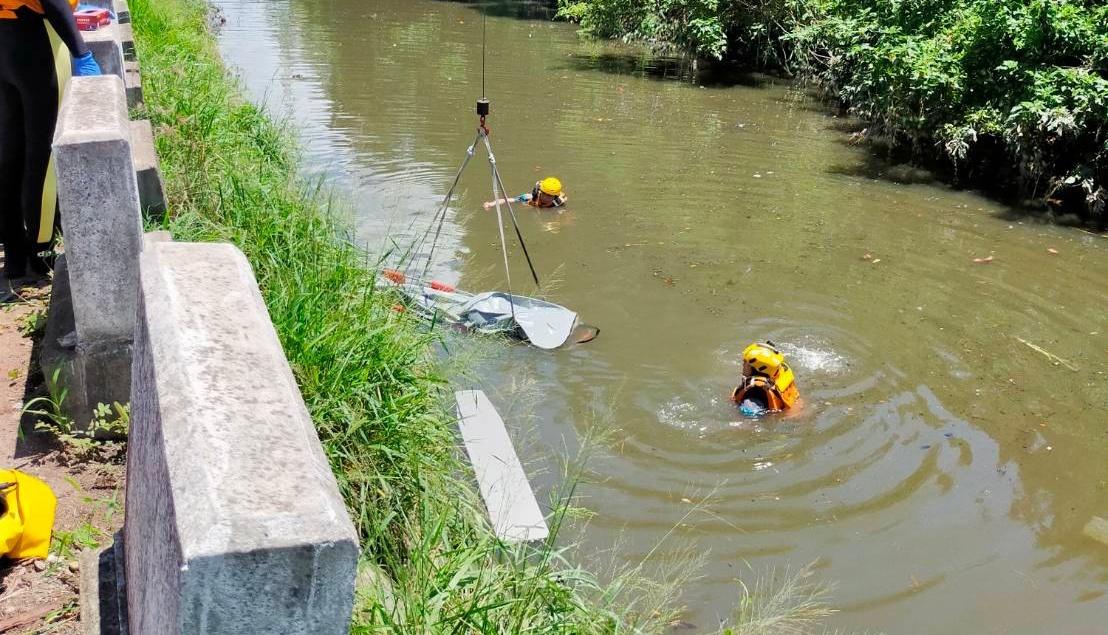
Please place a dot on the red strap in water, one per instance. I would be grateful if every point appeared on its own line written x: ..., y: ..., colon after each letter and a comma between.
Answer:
x: 394, y: 275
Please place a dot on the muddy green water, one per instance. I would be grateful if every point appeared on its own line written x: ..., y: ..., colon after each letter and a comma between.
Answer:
x: 941, y: 469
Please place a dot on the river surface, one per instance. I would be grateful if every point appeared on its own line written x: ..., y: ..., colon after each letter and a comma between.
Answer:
x: 943, y: 464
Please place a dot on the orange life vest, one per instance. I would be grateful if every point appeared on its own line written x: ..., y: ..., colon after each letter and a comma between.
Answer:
x: 775, y: 396
x: 8, y: 7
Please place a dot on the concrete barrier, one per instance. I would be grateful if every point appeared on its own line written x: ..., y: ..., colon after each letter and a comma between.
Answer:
x: 92, y: 307
x: 106, y: 48
x: 234, y: 520
x: 132, y: 81
x: 122, y: 11
x: 127, y: 41
x: 147, y: 170
x: 99, y: 198
x: 91, y: 373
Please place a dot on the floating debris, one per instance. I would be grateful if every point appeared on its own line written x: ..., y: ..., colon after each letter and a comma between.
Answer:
x: 1051, y: 356
x: 1097, y: 529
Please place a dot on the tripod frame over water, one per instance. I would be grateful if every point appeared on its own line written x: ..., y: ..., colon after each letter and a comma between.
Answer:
x: 499, y: 193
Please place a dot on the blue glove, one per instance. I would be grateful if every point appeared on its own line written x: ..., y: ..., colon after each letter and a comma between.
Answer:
x: 85, y: 66
x: 751, y: 408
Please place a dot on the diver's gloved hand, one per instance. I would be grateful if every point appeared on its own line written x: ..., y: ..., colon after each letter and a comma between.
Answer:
x: 751, y: 408
x: 85, y: 66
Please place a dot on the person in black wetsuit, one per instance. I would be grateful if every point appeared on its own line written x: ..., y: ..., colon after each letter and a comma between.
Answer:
x: 28, y: 114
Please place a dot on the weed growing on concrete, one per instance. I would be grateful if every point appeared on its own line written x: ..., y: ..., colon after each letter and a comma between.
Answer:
x: 48, y: 408
x: 112, y: 421
x: 33, y: 323
x: 68, y: 611
x: 98, y: 512
x: 68, y: 544
x: 99, y: 440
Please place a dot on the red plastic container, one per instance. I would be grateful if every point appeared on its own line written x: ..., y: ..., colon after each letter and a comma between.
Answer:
x: 92, y: 19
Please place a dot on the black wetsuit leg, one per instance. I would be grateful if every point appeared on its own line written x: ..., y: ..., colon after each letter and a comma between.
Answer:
x: 28, y: 114
x: 12, y: 232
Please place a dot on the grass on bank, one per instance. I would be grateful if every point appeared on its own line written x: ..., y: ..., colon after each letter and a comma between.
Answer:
x: 430, y: 561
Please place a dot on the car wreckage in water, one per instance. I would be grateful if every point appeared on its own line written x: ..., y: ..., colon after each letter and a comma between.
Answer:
x: 542, y: 324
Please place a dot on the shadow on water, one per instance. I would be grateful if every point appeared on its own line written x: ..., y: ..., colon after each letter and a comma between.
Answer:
x: 1033, y: 212
x: 706, y: 73
x: 900, y: 171
x: 842, y: 123
x: 517, y: 9
x: 882, y: 163
x: 678, y: 69
x: 877, y: 168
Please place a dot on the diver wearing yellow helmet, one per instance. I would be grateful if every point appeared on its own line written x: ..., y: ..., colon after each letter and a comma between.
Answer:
x: 768, y: 383
x: 546, y: 193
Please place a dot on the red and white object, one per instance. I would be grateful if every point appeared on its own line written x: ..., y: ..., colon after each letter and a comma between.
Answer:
x: 92, y: 19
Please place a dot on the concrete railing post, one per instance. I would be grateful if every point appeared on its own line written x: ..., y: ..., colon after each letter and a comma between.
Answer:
x: 234, y: 520
x: 132, y: 80
x: 122, y: 11
x: 92, y: 316
x: 147, y: 170
x: 113, y: 44
x: 99, y: 198
x: 106, y: 48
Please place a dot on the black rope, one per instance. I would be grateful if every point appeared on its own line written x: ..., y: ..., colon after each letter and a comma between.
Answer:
x: 484, y: 20
x: 434, y: 230
x: 500, y: 222
x: 515, y: 224
x: 440, y: 217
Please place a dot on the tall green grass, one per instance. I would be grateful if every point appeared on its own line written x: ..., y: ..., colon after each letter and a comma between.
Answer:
x: 431, y: 563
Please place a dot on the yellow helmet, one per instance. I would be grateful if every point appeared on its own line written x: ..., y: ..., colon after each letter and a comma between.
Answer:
x: 764, y: 358
x: 551, y: 186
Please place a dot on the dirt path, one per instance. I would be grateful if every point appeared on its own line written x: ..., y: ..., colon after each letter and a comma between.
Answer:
x: 41, y: 596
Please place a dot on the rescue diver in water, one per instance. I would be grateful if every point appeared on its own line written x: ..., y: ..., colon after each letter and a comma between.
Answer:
x: 768, y: 383
x: 546, y: 193
x: 28, y: 114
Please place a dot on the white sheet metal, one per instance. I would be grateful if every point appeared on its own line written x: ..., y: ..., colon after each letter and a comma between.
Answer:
x: 513, y: 510
x: 543, y: 324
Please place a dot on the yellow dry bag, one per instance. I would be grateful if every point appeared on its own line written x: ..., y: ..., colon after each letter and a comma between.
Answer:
x: 26, y: 515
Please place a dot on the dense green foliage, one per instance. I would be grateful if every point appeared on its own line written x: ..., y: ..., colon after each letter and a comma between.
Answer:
x: 1010, y: 91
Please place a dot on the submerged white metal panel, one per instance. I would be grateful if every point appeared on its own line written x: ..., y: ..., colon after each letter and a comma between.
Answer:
x: 513, y: 510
